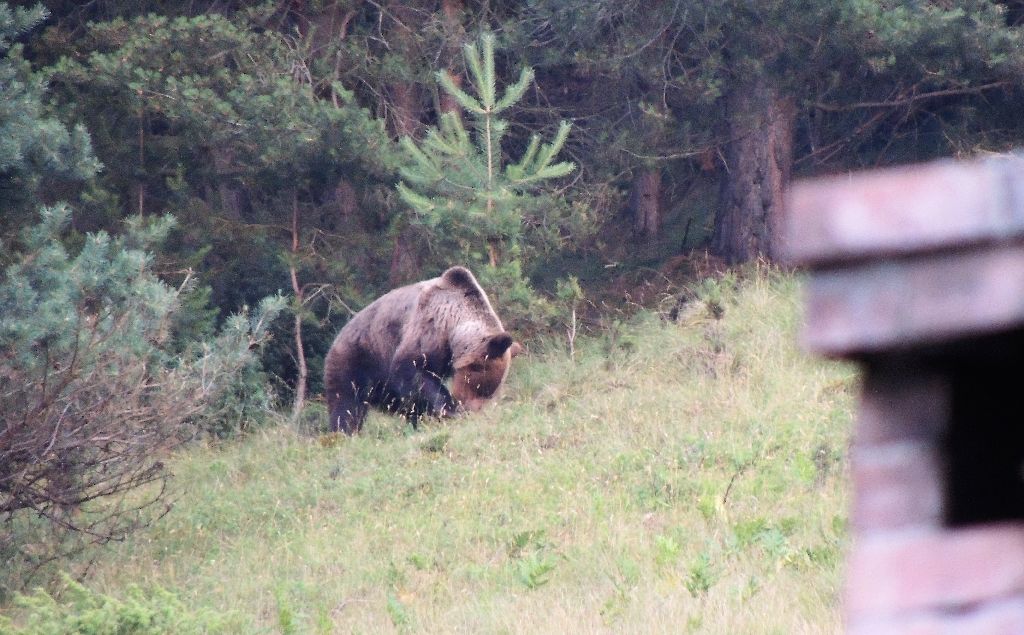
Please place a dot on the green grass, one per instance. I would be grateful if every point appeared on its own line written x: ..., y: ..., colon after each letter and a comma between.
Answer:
x: 673, y: 477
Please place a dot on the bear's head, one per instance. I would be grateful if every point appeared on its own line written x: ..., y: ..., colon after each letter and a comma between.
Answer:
x: 478, y: 377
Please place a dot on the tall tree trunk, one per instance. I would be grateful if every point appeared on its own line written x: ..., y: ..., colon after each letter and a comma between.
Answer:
x: 405, y: 103
x: 758, y: 158
x: 300, y: 353
x: 645, y: 201
x: 451, y: 15
x: 141, y: 191
x: 405, y: 120
x: 232, y: 198
x: 405, y: 266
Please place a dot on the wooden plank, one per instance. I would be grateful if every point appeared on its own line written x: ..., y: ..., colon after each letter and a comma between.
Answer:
x: 905, y: 210
x: 899, y: 304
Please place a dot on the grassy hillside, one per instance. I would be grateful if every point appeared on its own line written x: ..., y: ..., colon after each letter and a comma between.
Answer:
x: 673, y: 477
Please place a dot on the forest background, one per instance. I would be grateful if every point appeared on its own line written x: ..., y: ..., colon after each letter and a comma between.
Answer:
x: 221, y: 163
x: 270, y: 132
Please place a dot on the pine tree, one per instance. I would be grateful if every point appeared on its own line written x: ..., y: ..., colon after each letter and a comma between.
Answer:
x: 92, y: 393
x: 34, y: 147
x: 460, y: 186
x: 94, y: 382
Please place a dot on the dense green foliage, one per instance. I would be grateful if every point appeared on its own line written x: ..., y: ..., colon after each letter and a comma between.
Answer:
x: 81, y: 611
x: 860, y: 71
x: 36, y: 149
x: 272, y: 132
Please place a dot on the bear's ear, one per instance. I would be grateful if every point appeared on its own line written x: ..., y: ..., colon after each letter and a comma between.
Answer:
x: 516, y: 349
x: 498, y: 344
x: 460, y: 278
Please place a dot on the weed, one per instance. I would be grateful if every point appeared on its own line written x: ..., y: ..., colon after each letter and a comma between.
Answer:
x: 79, y: 610
x: 774, y: 544
x: 398, y: 613
x: 752, y: 587
x: 822, y: 555
x: 620, y: 599
x: 285, y: 615
x: 523, y: 539
x: 806, y: 469
x: 419, y: 562
x: 700, y: 576
x: 707, y: 504
x: 629, y: 572
x: 437, y: 443
x: 666, y: 550
x: 614, y: 606
x: 746, y: 533
x: 534, y: 570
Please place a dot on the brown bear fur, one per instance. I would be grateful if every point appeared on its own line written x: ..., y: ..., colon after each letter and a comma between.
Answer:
x: 396, y: 353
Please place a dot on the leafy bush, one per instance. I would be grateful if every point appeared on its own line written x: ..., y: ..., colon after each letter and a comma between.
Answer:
x: 244, y: 397
x: 81, y: 611
x: 245, y: 402
x: 91, y: 393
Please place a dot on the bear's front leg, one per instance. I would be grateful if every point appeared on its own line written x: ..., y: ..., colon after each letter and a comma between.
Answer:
x: 421, y: 391
x: 347, y: 411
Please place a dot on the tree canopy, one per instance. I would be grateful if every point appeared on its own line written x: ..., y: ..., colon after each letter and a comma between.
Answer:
x: 335, y: 149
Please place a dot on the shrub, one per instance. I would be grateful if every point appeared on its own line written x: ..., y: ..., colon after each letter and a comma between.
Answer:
x: 246, y: 401
x: 91, y: 394
x: 81, y: 611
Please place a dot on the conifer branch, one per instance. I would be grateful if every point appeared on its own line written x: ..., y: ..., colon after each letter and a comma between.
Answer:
x: 487, y: 86
x: 430, y: 171
x: 478, y: 77
x: 467, y: 101
x: 549, y: 150
x: 421, y: 204
x: 453, y: 120
x: 516, y: 91
x: 515, y: 171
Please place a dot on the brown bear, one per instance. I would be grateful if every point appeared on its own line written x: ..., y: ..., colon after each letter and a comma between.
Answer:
x: 396, y: 353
